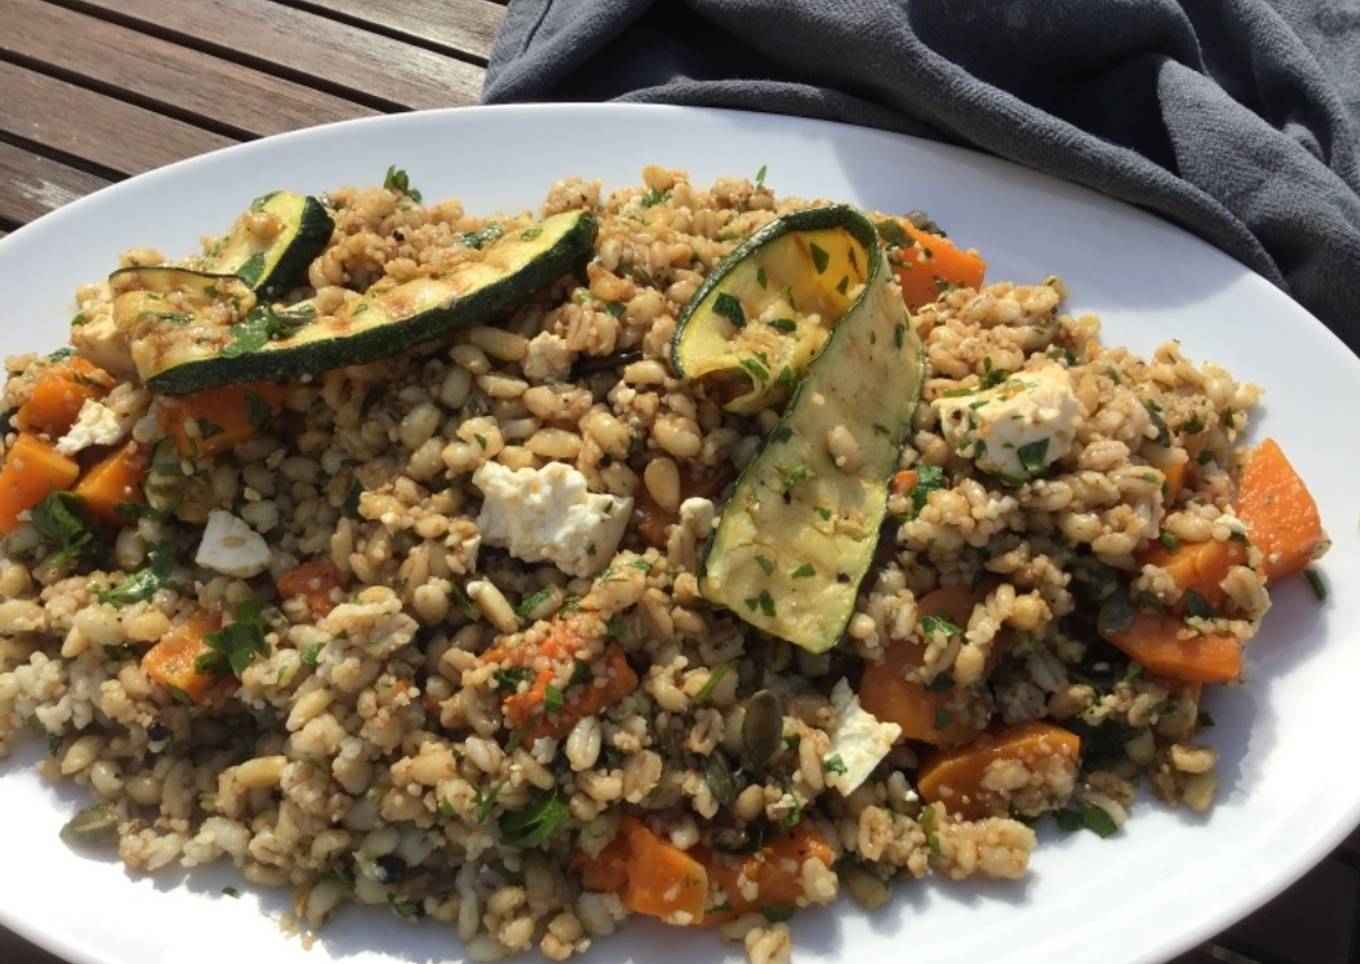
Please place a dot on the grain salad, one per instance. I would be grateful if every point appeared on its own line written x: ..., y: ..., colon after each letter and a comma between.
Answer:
x: 690, y: 552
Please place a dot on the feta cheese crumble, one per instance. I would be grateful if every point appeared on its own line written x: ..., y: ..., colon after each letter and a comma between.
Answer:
x: 549, y: 514
x: 1016, y: 429
x: 232, y: 547
x: 859, y: 741
x: 95, y: 424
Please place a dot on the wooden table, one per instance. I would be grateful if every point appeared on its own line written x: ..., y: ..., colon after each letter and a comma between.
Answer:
x: 94, y: 91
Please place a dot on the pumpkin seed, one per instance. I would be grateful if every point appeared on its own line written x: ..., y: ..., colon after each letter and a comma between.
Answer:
x: 763, y: 728
x: 718, y: 776
x: 94, y: 826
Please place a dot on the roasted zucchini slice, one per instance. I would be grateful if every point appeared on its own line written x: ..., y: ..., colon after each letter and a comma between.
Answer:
x: 799, y: 531
x: 228, y: 341
x: 763, y: 314
x: 273, y: 263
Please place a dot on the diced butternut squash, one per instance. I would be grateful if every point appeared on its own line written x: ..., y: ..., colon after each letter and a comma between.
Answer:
x: 959, y: 778
x: 1158, y: 643
x: 32, y: 470
x: 933, y: 264
x: 115, y: 480
x: 222, y: 417
x: 58, y: 393
x: 651, y: 875
x: 316, y: 581
x: 939, y: 717
x: 776, y: 870
x: 1281, y: 516
x: 171, y: 662
x: 1199, y: 566
x: 586, y: 699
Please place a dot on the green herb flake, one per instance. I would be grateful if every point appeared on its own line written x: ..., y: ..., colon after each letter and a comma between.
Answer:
x: 509, y: 679
x: 899, y: 333
x: 398, y: 180
x: 834, y: 764
x: 312, y: 654
x: 481, y: 439
x: 781, y: 434
x: 783, y: 324
x: 1197, y: 606
x: 446, y: 808
x: 531, y: 602
x: 1169, y: 541
x: 529, y: 234
x: 1032, y: 456
x: 615, y: 308
x: 824, y: 512
x: 765, y: 564
x: 805, y: 571
x: 1203, y: 720
x: 552, y: 699
x: 534, y: 825
x: 235, y: 646
x: 715, y: 676
x: 62, y: 522
x: 787, y: 377
x: 820, y: 259
x: 613, y: 627
x: 766, y: 602
x: 480, y: 239
x: 728, y: 306
x: 755, y: 369
x: 1315, y: 583
x: 943, y: 718
x: 145, y: 582
x: 761, y: 279
x: 933, y: 842
x: 777, y: 913
x: 843, y: 285
x: 653, y: 197
x: 792, y: 475
x: 261, y: 325
x: 78, y: 320
x: 760, y: 175
x: 940, y: 623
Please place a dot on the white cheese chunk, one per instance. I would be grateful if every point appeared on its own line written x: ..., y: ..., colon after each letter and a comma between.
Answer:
x: 859, y: 741
x: 1016, y: 429
x: 232, y: 547
x: 549, y: 514
x: 95, y: 424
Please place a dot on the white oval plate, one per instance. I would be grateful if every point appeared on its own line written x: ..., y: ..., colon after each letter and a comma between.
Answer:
x: 1167, y: 882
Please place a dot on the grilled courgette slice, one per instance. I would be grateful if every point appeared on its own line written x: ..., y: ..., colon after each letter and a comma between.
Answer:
x: 758, y: 320
x: 799, y: 531
x: 230, y: 340
x: 271, y: 264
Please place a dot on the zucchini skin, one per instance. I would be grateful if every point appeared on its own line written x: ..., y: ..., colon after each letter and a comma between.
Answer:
x: 808, y: 219
x: 314, y: 357
x: 313, y: 234
x: 830, y: 597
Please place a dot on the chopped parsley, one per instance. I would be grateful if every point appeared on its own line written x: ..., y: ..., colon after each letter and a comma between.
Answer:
x: 1169, y: 541
x: 940, y: 623
x: 1197, y: 606
x: 235, y: 646
x: 787, y: 377
x: 835, y: 764
x: 79, y: 319
x: 62, y: 522
x: 143, y: 583
x: 312, y: 654
x: 613, y: 627
x: 231, y: 892
x: 765, y: 564
x: 715, y: 677
x: 261, y: 325
x: 1194, y: 426
x: 760, y: 176
x: 529, y: 234
x: 783, y: 324
x: 761, y: 278
x: 777, y: 913
x: 756, y: 370
x: 928, y: 479
x: 766, y: 602
x: 1315, y: 583
x: 480, y: 239
x: 485, y: 803
x: 509, y: 679
x: 654, y: 197
x: 791, y: 476
x: 1088, y: 816
x: 824, y: 512
x: 552, y: 699
x: 534, y: 825
x: 843, y: 285
x: 1032, y: 456
x: 398, y: 180
x: 728, y: 306
x: 531, y: 602
x: 805, y: 571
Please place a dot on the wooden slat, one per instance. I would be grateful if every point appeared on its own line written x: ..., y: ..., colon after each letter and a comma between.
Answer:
x: 108, y: 133
x: 466, y: 26
x: 305, y: 46
x: 125, y: 62
x: 31, y: 185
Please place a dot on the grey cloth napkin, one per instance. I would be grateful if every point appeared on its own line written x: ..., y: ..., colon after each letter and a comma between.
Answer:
x: 1238, y: 119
